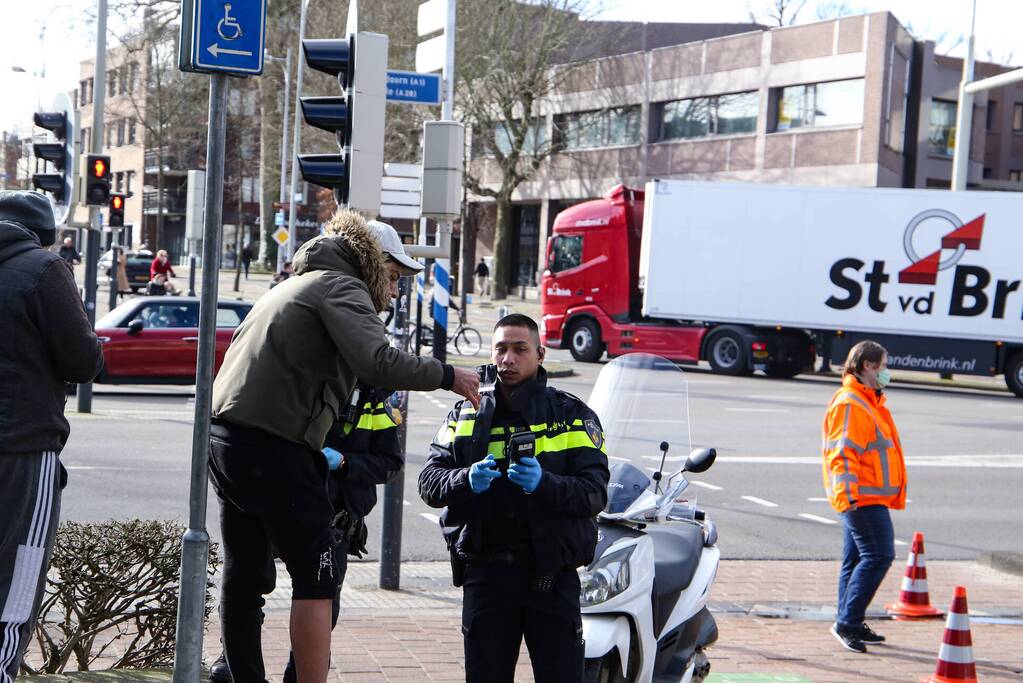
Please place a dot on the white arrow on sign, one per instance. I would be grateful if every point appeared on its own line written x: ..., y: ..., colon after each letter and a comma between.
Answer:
x: 216, y: 50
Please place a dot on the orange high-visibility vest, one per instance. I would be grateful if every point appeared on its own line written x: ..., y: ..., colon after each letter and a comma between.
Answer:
x: 863, y: 462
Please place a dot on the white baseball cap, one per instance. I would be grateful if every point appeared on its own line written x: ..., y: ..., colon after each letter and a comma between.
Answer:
x: 391, y: 245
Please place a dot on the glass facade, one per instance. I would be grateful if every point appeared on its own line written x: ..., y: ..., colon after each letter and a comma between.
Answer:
x: 536, y: 137
x: 607, y: 128
x: 733, y: 114
x: 942, y: 133
x: 819, y: 105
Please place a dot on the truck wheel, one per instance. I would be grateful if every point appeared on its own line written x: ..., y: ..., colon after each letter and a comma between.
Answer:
x: 1014, y: 374
x: 786, y: 370
x: 727, y: 354
x: 584, y: 341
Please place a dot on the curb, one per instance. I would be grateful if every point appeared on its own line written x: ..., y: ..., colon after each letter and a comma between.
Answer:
x: 1010, y: 563
x: 939, y: 383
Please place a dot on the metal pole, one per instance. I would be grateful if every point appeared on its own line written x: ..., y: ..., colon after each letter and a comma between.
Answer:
x: 964, y: 117
x: 112, y: 279
x: 442, y: 266
x: 84, y: 397
x: 196, y: 542
x: 297, y: 144
x: 394, y: 490
x: 284, y: 146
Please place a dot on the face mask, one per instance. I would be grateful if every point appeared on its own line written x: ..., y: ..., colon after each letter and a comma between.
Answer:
x: 884, y: 378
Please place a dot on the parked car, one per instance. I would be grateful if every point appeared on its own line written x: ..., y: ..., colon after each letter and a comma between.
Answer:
x: 154, y: 340
x: 137, y: 268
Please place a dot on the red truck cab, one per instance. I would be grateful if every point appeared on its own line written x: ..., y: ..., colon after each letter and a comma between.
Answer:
x: 590, y: 294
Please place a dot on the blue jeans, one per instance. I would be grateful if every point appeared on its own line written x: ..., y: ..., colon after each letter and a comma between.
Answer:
x: 867, y: 552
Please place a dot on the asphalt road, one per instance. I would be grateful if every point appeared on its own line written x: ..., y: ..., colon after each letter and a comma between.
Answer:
x: 130, y: 458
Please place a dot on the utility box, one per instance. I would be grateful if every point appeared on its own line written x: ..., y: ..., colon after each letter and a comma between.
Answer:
x: 443, y: 159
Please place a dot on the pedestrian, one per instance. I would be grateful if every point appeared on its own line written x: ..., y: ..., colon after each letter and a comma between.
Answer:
x: 144, y: 250
x: 517, y: 527
x: 161, y: 265
x: 482, y: 277
x: 865, y: 477
x: 48, y: 341
x: 246, y: 259
x: 120, y: 261
x: 286, y: 271
x: 291, y: 367
x: 69, y: 253
x: 362, y: 451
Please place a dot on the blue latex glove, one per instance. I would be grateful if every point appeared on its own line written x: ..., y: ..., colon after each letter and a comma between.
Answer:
x: 334, y: 458
x: 526, y: 473
x: 482, y: 473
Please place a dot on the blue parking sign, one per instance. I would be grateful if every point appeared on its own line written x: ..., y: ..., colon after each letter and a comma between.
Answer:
x: 228, y: 36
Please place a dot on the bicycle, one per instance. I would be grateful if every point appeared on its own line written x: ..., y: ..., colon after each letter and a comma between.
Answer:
x: 466, y: 340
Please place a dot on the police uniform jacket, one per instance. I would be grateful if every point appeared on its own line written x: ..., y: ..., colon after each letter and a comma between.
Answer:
x: 369, y: 443
x: 560, y: 513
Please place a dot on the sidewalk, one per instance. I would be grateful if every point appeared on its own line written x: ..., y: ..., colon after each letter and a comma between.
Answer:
x: 773, y: 619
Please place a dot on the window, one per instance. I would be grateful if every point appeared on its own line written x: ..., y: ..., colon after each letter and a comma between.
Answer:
x: 733, y: 114
x: 942, y: 134
x: 162, y: 316
x: 619, y: 126
x: 250, y: 189
x: 1015, y: 176
x: 121, y: 129
x: 992, y: 119
x: 1017, y: 117
x: 535, y: 137
x: 987, y: 174
x: 110, y: 136
x: 133, y: 76
x: 229, y: 317
x: 128, y: 176
x: 86, y: 139
x: 83, y: 93
x: 123, y: 78
x: 111, y: 82
x: 566, y: 252
x: 118, y: 181
x: 837, y: 103
x: 131, y: 131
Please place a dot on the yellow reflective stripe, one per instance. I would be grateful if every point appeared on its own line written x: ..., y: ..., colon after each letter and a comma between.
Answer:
x: 464, y: 427
x: 564, y: 442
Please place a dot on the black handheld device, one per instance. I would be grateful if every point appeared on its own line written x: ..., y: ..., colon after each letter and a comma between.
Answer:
x: 520, y: 445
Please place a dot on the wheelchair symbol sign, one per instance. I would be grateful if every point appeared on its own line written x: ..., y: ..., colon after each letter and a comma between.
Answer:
x: 228, y: 36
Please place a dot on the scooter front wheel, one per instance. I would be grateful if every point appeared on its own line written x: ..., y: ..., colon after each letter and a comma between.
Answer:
x: 606, y: 669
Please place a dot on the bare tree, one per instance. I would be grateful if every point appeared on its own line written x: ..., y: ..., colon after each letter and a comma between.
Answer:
x: 833, y: 9
x: 776, y: 12
x: 511, y: 59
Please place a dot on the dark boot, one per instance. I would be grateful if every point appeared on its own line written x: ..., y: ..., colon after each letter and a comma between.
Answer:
x: 220, y: 671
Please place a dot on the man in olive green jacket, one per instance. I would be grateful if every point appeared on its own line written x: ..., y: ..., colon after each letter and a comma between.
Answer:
x: 288, y: 374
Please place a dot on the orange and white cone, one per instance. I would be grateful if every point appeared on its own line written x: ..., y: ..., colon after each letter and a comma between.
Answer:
x: 914, y: 599
x: 955, y: 659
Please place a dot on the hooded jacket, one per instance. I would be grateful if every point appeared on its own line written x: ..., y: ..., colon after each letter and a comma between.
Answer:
x: 47, y: 338
x: 295, y: 359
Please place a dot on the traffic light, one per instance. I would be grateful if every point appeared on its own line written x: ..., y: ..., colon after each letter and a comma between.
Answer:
x: 115, y: 212
x: 97, y: 180
x: 61, y: 155
x: 356, y: 118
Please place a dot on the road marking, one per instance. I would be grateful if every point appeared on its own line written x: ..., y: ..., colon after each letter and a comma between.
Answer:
x: 818, y: 500
x: 898, y: 542
x: 815, y: 518
x: 998, y: 461
x: 706, y: 485
x: 758, y: 410
x: 615, y: 457
x: 430, y: 517
x: 405, y: 502
x: 760, y: 501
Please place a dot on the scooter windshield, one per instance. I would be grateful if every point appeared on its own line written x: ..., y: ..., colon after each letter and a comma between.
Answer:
x: 642, y: 401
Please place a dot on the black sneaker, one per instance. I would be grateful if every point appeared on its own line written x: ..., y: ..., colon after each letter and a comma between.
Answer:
x: 220, y: 672
x: 867, y: 635
x: 850, y: 640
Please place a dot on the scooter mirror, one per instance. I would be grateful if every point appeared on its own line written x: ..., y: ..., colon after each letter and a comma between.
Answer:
x: 700, y: 460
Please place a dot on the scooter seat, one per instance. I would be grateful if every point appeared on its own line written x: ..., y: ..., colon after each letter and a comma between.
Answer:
x: 677, y: 550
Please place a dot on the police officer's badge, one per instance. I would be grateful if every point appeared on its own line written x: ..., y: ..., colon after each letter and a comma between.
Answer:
x: 395, y: 415
x: 595, y: 433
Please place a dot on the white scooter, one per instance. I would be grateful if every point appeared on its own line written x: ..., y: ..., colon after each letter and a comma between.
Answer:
x: 644, y: 597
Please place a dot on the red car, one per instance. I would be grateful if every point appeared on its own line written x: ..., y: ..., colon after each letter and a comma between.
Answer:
x: 153, y: 340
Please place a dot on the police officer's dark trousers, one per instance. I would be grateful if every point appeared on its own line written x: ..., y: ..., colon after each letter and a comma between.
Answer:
x: 500, y: 607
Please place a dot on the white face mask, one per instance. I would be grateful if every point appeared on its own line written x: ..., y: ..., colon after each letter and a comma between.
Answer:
x: 884, y: 378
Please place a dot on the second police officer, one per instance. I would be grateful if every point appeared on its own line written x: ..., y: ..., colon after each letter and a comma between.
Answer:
x: 521, y: 482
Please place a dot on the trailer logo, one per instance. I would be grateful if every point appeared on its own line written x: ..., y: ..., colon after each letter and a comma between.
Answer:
x: 975, y: 291
x: 924, y: 271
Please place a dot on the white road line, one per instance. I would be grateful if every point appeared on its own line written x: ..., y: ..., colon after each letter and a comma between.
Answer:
x: 815, y: 518
x: 898, y: 542
x: 405, y: 502
x: 430, y: 517
x: 705, y: 485
x: 758, y: 410
x: 818, y: 500
x: 760, y: 501
x: 615, y: 457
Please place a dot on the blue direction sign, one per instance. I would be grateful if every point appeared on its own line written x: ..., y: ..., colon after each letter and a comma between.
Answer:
x: 228, y: 35
x: 412, y: 87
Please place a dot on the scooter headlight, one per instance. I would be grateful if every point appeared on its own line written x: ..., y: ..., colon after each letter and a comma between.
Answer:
x: 606, y: 579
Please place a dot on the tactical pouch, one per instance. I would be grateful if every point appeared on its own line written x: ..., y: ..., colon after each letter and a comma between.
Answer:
x: 457, y: 570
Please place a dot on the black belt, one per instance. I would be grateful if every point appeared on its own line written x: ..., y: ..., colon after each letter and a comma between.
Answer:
x: 510, y: 557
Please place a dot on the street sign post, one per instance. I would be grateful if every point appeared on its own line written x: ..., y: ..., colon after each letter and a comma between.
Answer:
x: 223, y: 37
x: 413, y: 88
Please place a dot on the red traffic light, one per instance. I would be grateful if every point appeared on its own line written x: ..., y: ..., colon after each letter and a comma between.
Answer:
x: 117, y: 202
x: 99, y: 167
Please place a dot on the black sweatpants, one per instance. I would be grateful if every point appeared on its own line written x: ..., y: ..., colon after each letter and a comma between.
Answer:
x: 499, y: 608
x: 273, y: 495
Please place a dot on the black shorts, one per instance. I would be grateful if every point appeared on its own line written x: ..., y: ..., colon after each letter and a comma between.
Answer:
x: 275, y: 492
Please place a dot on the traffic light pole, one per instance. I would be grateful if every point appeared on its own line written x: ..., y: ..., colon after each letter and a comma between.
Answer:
x: 196, y: 542
x: 84, y: 397
x: 297, y: 141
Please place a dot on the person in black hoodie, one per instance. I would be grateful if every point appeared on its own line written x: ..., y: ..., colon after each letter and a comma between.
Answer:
x: 47, y: 342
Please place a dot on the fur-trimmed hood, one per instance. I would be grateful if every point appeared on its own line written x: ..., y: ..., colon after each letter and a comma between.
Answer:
x: 348, y: 247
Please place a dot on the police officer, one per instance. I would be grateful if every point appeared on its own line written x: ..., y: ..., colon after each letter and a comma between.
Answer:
x: 521, y: 481
x: 362, y: 450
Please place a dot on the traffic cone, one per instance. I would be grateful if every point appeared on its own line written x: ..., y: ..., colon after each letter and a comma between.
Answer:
x: 914, y: 600
x: 955, y: 659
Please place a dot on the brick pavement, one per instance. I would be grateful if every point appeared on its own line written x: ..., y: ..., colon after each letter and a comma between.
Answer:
x: 414, y: 634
